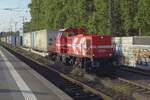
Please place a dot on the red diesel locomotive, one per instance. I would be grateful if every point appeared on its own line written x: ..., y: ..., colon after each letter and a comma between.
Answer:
x: 90, y: 51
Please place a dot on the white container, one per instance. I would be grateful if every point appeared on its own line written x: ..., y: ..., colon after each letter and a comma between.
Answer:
x: 141, y: 40
x: 123, y: 40
x: 44, y: 39
x: 135, y: 55
x: 27, y: 40
x: 123, y: 48
x: 3, y: 39
x: 133, y: 51
x: 8, y: 38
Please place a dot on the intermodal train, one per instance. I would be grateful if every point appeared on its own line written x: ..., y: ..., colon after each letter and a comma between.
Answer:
x: 73, y: 46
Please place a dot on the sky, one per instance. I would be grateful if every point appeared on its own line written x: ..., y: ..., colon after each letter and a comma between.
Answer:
x: 12, y: 13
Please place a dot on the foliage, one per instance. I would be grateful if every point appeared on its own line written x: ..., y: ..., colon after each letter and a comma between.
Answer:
x: 116, y: 17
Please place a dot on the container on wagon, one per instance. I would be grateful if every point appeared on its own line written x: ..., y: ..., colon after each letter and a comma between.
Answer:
x: 141, y: 40
x: 135, y: 54
x: 8, y: 39
x: 3, y: 39
x: 27, y: 41
x: 13, y: 40
x: 138, y: 40
x: 123, y: 40
x: 44, y: 39
x: 19, y: 40
x: 34, y: 37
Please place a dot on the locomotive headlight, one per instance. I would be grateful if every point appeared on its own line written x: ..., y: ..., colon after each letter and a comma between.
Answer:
x: 110, y: 54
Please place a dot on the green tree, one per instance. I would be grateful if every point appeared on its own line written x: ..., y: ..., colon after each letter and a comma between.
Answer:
x: 143, y: 17
x: 99, y: 21
x: 116, y: 17
x: 128, y: 14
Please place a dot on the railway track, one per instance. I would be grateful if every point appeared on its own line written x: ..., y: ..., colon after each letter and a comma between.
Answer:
x: 136, y: 74
x: 76, y: 89
x: 140, y: 91
x: 135, y: 85
x: 136, y: 70
x: 138, y: 80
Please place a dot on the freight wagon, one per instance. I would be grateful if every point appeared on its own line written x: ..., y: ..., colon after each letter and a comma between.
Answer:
x: 13, y: 40
x: 43, y: 40
x: 19, y: 40
x: 27, y: 40
x: 3, y: 39
x: 8, y: 39
x: 133, y: 51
